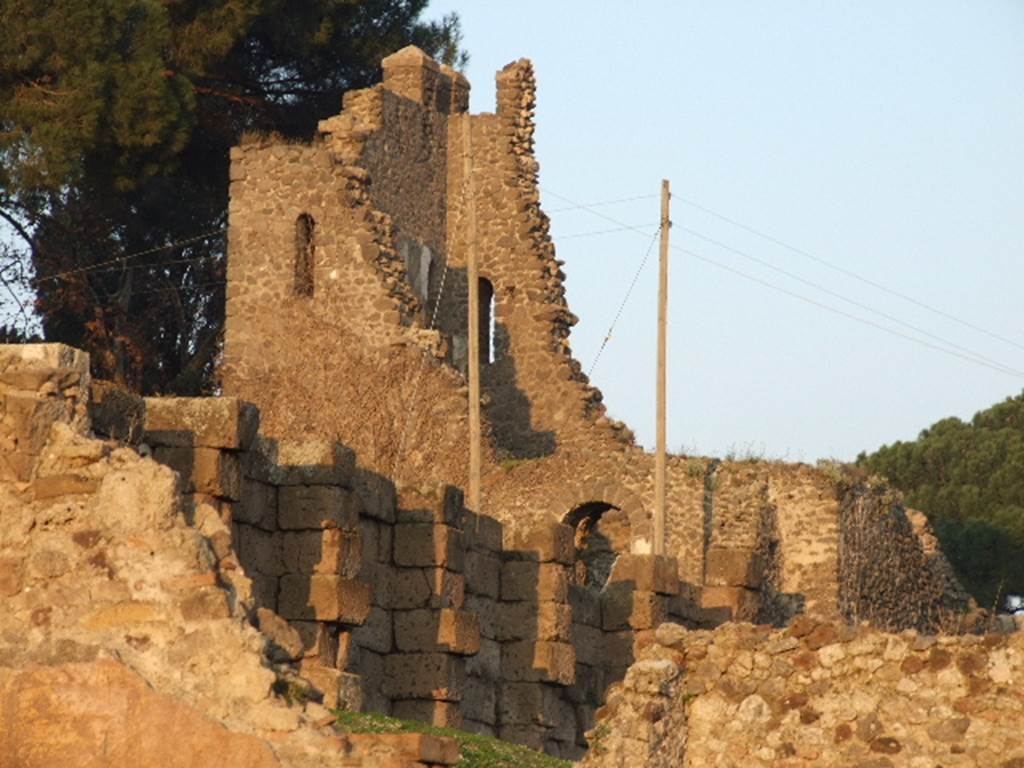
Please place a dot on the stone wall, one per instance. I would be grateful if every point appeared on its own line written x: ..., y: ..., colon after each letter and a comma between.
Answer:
x: 401, y: 601
x: 127, y: 632
x: 819, y: 694
x: 891, y: 571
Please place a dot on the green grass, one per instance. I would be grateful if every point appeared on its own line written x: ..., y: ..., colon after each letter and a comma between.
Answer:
x: 477, y: 751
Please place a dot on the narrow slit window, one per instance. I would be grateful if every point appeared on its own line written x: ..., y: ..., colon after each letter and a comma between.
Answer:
x: 304, y: 254
x: 486, y: 320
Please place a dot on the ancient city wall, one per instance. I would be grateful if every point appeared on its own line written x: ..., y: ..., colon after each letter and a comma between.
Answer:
x: 817, y: 693
x: 403, y: 602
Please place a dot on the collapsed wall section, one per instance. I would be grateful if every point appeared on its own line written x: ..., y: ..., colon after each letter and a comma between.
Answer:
x: 817, y: 693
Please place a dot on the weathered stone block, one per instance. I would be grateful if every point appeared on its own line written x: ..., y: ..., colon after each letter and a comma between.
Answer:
x: 324, y: 597
x: 407, y: 588
x: 529, y: 703
x: 447, y: 589
x: 375, y: 633
x: 213, y: 422
x: 483, y: 574
x: 538, y: 661
x: 445, y: 630
x: 622, y: 606
x: 589, y: 644
x: 217, y: 472
x: 257, y: 505
x: 486, y: 662
x: 425, y: 544
x: 488, y: 613
x: 481, y: 699
x: 258, y: 550
x: 733, y: 568
x: 535, y: 621
x: 439, y: 676
x: 482, y: 533
x: 325, y: 551
x: 648, y: 573
x: 525, y: 580
x: 442, y: 505
x: 740, y: 603
x: 586, y: 605
x: 317, y: 506
x: 589, y: 686
x: 550, y: 543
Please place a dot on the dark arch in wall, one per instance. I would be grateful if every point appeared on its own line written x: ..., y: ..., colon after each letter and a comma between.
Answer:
x: 305, y: 255
x: 614, y: 495
x: 596, y: 550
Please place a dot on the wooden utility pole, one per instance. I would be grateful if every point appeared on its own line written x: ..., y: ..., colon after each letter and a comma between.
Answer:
x: 659, y: 461
x: 473, y: 324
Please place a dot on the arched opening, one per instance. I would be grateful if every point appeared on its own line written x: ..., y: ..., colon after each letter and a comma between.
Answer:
x: 485, y: 320
x: 602, y: 533
x: 304, y: 255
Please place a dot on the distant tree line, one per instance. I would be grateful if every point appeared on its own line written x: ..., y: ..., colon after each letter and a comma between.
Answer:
x: 116, y: 117
x: 969, y: 479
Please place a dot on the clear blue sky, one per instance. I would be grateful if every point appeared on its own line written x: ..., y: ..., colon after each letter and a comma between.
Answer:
x: 883, y: 137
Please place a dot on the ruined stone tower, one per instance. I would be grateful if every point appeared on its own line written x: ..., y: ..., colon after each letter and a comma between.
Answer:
x: 346, y: 320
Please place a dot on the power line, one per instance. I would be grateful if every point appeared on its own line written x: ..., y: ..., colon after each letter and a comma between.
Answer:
x: 600, y: 232
x: 839, y: 296
x: 826, y: 307
x: 849, y: 273
x: 978, y: 358
x: 622, y: 306
x: 600, y: 203
x: 127, y: 257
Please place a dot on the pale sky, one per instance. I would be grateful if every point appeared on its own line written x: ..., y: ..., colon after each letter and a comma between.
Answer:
x: 882, y: 137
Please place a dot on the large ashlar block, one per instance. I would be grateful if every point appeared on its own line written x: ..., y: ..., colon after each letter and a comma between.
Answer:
x: 331, y: 550
x: 439, y: 676
x: 486, y: 662
x: 733, y: 568
x: 324, y: 597
x: 535, y: 621
x: 482, y: 533
x: 539, y: 661
x: 739, y: 603
x: 425, y: 544
x: 480, y: 700
x: 647, y: 573
x: 203, y: 470
x: 552, y: 543
x: 446, y: 630
x: 258, y: 505
x: 622, y: 607
x: 586, y: 605
x: 317, y: 506
x: 532, y: 581
x: 212, y: 422
x: 589, y: 645
x: 529, y: 703
x: 483, y: 574
x: 438, y: 504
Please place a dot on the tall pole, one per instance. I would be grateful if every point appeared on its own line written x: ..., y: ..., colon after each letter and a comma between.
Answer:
x: 473, y: 324
x: 659, y: 465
